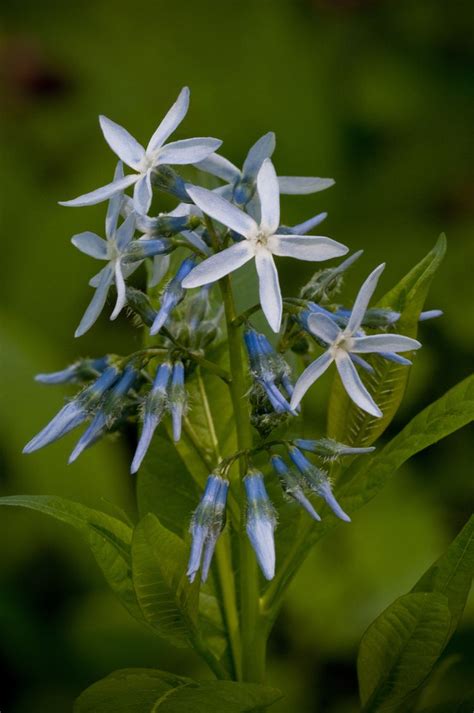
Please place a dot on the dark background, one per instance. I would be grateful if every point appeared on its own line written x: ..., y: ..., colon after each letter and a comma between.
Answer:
x: 378, y: 95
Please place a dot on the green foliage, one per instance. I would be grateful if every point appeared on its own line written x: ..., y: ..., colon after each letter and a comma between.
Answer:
x: 109, y: 539
x: 168, y: 601
x: 147, y: 690
x: 347, y: 423
x: 400, y: 649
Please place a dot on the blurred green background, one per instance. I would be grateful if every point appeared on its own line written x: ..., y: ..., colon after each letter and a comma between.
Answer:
x: 379, y: 95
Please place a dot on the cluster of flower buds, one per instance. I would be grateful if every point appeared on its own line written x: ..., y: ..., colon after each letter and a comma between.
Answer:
x: 270, y: 373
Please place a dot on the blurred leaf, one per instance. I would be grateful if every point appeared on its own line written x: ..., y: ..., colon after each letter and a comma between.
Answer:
x: 108, y: 538
x: 452, y: 574
x: 400, y: 648
x: 168, y: 601
x: 147, y: 690
x: 347, y: 423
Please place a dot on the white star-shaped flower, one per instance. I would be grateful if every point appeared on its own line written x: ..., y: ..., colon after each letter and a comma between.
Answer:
x: 145, y: 161
x: 262, y: 242
x: 343, y: 343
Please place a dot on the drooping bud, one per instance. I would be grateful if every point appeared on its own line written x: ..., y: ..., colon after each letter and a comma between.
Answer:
x: 330, y: 449
x: 177, y: 399
x: 142, y: 248
x: 140, y: 303
x: 207, y: 524
x: 172, y: 295
x: 326, y: 283
x: 109, y: 410
x: 268, y: 369
x: 317, y: 481
x: 261, y: 522
x: 154, y: 409
x: 293, y: 485
x: 81, y: 370
x: 75, y: 412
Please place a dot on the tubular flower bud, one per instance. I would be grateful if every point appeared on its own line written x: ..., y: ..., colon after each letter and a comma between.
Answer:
x: 172, y: 295
x: 329, y: 449
x: 177, y: 399
x: 268, y: 369
x: 81, y: 370
x: 207, y: 524
x: 261, y: 523
x: 140, y: 249
x: 317, y: 481
x: 154, y: 409
x: 294, y: 485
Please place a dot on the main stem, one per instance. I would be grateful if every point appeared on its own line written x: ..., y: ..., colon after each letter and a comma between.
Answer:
x: 253, y: 639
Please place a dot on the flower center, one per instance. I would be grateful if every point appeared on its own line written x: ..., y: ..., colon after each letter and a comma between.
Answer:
x: 343, y: 341
x: 260, y: 240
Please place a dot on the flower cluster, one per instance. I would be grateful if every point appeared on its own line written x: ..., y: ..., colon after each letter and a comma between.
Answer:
x: 208, y: 235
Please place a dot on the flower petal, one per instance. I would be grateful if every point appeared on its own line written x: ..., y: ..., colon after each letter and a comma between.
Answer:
x: 261, y: 150
x: 384, y: 343
x: 122, y: 143
x: 300, y: 186
x: 269, y: 288
x: 90, y: 244
x: 324, y: 327
x: 354, y: 386
x: 223, y: 211
x: 125, y: 232
x: 219, y: 265
x: 363, y: 299
x: 98, y: 301
x: 172, y: 120
x: 102, y: 193
x: 115, y: 204
x: 219, y: 166
x: 304, y: 228
x: 161, y: 265
x: 309, y: 376
x: 121, y: 291
x: 143, y: 194
x: 313, y: 248
x: 188, y: 150
x: 269, y: 194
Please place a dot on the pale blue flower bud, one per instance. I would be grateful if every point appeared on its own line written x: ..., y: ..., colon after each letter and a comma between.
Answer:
x: 318, y: 481
x: 172, y: 295
x: 80, y: 371
x: 140, y: 249
x: 154, y: 409
x: 293, y: 485
x: 269, y: 369
x: 261, y: 523
x: 75, y: 412
x: 206, y: 525
x: 177, y: 399
x: 330, y: 449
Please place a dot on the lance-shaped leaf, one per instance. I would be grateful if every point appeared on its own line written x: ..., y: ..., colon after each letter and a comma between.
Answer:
x: 149, y: 691
x: 346, y: 422
x: 109, y: 539
x: 399, y: 650
x: 167, y: 601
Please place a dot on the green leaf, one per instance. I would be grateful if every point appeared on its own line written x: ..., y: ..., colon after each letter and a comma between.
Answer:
x: 147, y: 691
x: 400, y: 648
x: 346, y: 422
x: 109, y: 539
x: 169, y: 603
x: 452, y: 574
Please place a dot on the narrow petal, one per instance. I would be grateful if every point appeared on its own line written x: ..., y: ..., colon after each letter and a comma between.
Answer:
x: 122, y: 143
x: 220, y: 167
x: 269, y: 289
x: 223, y: 211
x: 296, y: 186
x: 269, y: 194
x: 384, y: 343
x: 219, y: 265
x: 304, y: 228
x: 261, y: 150
x: 188, y: 150
x: 312, y: 248
x: 161, y: 265
x: 90, y: 244
x: 121, y: 291
x: 125, y: 233
x: 172, y: 120
x: 98, y: 301
x: 309, y: 376
x: 354, y: 386
x: 101, y: 194
x: 390, y: 356
x: 323, y: 327
x: 115, y: 204
x: 361, y: 362
x: 363, y: 299
x: 142, y: 194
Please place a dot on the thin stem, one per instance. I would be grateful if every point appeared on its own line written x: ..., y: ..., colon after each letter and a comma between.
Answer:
x: 216, y: 667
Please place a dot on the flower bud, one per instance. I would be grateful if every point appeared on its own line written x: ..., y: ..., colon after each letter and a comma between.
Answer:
x: 140, y: 249
x: 81, y: 370
x: 177, y: 399
x: 293, y: 485
x: 326, y: 283
x: 139, y: 303
x: 268, y: 369
x: 172, y: 295
x: 317, y: 481
x: 330, y: 449
x: 261, y: 523
x: 165, y: 178
x: 154, y: 408
x: 207, y: 524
